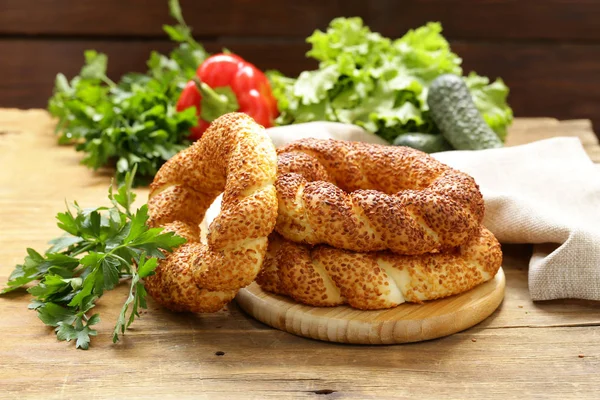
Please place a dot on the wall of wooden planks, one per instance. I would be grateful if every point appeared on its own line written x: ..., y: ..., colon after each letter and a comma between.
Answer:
x: 547, y: 51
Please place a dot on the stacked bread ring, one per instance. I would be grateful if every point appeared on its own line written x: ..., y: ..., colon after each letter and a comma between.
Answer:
x: 370, y: 226
x: 374, y: 226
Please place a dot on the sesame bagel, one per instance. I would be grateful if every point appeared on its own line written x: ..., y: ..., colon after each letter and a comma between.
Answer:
x: 326, y: 276
x: 235, y: 156
x: 368, y: 197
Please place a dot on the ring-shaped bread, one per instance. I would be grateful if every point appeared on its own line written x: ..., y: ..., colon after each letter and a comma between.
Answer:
x: 325, y: 276
x: 234, y: 156
x: 367, y: 197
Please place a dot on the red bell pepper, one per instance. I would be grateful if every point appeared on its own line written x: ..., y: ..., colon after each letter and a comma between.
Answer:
x: 227, y: 83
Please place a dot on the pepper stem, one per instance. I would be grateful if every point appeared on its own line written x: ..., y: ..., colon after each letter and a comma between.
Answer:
x: 209, y: 94
x: 215, y: 102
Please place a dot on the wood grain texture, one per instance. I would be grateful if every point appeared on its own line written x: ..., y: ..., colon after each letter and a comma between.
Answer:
x: 531, y: 20
x: 545, y: 80
x: 527, y: 130
x: 29, y: 67
x: 524, y: 350
x: 146, y: 17
x: 402, y: 324
x: 462, y: 19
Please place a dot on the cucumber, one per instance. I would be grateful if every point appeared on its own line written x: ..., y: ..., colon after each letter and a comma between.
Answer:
x: 427, y: 142
x: 456, y: 116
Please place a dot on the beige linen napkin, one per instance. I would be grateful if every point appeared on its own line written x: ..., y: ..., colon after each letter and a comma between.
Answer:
x: 546, y: 193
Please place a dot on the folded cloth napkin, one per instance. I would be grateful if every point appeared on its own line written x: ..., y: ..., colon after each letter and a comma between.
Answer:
x: 546, y: 193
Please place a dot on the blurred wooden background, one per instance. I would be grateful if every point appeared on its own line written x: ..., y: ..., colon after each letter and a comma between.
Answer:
x: 547, y: 51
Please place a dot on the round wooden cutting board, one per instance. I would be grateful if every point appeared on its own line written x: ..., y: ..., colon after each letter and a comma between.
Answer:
x: 405, y: 323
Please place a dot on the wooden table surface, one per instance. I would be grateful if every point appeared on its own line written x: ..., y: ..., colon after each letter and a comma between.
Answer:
x: 545, y: 349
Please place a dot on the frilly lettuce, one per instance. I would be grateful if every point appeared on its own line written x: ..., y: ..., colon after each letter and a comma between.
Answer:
x: 378, y: 83
x: 490, y: 99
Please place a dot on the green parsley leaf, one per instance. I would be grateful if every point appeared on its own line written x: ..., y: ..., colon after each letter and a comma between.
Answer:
x: 175, y: 11
x: 133, y: 121
x: 35, y: 266
x: 95, y: 65
x: 52, y: 314
x: 17, y: 279
x: 52, y: 284
x: 137, y: 296
x: 147, y: 268
x: 101, y: 246
x: 124, y: 196
x: 138, y: 224
x: 175, y: 33
x: 110, y: 272
x: 63, y: 242
x: 79, y: 332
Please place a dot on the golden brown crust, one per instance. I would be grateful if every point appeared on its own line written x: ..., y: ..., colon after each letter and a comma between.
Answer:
x: 327, y: 276
x: 351, y: 195
x: 367, y: 197
x: 236, y: 156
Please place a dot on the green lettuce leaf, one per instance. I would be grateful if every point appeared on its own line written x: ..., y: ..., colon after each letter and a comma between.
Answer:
x: 380, y: 84
x: 490, y: 100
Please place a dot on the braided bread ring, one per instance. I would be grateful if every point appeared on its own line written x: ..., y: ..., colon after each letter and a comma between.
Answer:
x: 368, y: 197
x: 326, y: 276
x: 235, y: 155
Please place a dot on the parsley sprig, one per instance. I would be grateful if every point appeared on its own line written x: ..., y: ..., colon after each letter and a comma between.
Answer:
x: 133, y: 121
x: 100, y: 247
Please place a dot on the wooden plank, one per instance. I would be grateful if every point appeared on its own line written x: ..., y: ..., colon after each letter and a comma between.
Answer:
x: 462, y: 19
x: 491, y: 19
x: 533, y: 351
x: 527, y: 130
x: 545, y: 80
x: 29, y: 67
x: 258, y: 362
x: 146, y: 17
x: 518, y: 310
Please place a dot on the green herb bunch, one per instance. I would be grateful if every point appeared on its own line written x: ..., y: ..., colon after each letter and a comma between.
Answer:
x: 134, y: 121
x: 100, y: 247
